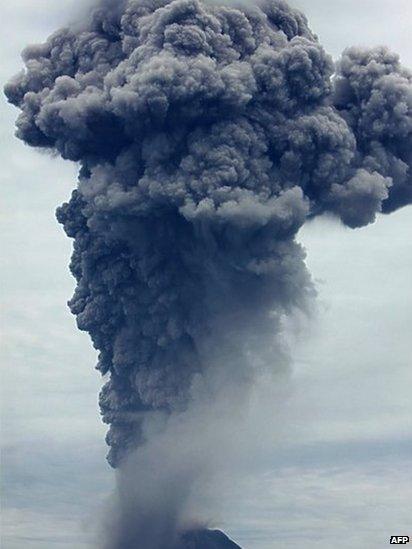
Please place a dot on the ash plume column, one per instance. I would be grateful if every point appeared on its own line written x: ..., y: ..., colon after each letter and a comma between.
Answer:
x: 206, y: 135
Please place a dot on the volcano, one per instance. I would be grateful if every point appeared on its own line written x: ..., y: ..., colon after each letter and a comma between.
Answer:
x: 206, y: 539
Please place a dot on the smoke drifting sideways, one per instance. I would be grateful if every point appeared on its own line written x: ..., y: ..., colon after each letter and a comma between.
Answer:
x: 206, y: 135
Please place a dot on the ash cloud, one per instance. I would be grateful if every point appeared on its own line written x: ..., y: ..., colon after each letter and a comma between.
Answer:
x: 206, y: 135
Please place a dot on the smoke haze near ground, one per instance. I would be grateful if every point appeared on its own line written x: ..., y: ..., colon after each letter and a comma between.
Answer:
x: 206, y: 136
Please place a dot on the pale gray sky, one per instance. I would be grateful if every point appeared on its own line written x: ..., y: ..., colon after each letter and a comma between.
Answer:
x: 339, y: 474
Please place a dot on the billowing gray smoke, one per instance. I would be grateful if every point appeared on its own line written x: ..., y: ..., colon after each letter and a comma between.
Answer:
x: 206, y: 134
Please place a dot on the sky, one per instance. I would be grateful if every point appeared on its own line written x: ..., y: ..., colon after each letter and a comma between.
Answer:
x: 339, y: 474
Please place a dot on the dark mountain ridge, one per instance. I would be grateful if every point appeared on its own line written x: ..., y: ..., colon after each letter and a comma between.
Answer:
x: 206, y: 539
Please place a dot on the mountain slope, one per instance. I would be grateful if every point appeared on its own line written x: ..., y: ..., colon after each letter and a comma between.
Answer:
x: 206, y: 539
